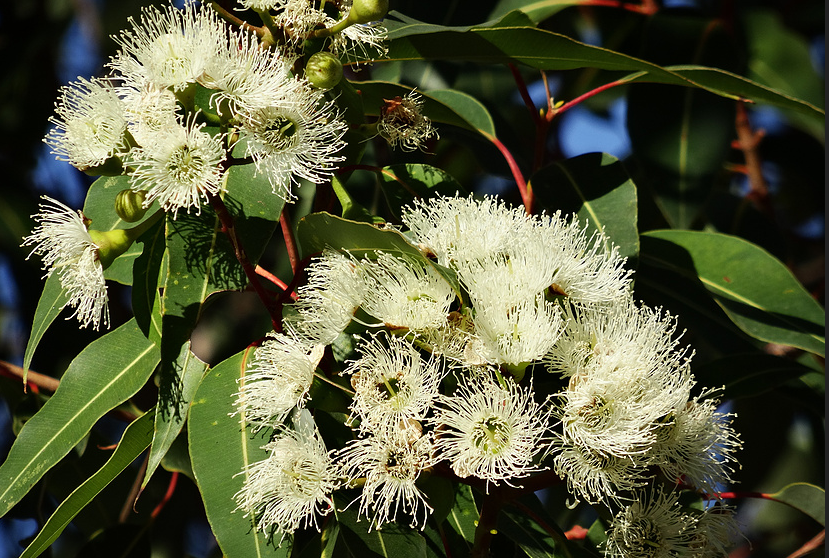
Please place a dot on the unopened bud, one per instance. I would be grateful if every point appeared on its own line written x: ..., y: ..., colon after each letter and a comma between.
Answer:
x: 324, y: 70
x: 111, y: 244
x: 365, y: 11
x: 129, y: 205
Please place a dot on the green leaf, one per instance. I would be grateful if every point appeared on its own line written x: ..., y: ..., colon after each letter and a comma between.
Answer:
x: 780, y: 58
x: 747, y: 375
x: 446, y: 107
x: 173, y: 406
x: 319, y: 231
x: 148, y: 268
x: 808, y: 498
x: 537, y: 11
x: 49, y: 306
x: 532, y: 539
x: 135, y: 440
x: 106, y: 373
x: 682, y: 137
x: 221, y: 449
x: 463, y: 517
x: 404, y: 183
x: 599, y: 190
x: 545, y: 50
x: 392, y: 541
x: 754, y: 288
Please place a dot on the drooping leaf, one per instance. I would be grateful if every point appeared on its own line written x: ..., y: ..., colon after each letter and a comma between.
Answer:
x: 135, y: 440
x: 747, y: 375
x: 106, y: 373
x: 49, y: 306
x: 148, y: 269
x: 173, y: 407
x: 537, y: 11
x: 775, y: 309
x: 808, y: 498
x: 545, y: 50
x: 221, y: 448
x: 599, y: 190
x: 522, y: 524
x: 404, y: 183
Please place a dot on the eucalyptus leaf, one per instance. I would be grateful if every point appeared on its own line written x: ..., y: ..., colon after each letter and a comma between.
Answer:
x: 106, y: 373
x: 808, y: 498
x: 135, y: 440
x: 404, y: 183
x: 49, y: 306
x: 222, y: 447
x: 173, y: 406
x: 776, y: 309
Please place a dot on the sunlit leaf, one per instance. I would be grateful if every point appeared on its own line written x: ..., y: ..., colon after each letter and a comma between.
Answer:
x: 135, y: 440
x: 106, y: 373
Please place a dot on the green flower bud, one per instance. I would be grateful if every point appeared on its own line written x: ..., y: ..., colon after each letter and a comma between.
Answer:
x: 111, y: 244
x: 365, y: 11
x: 324, y: 70
x: 129, y: 205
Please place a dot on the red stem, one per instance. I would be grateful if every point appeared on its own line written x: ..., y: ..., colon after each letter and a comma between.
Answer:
x: 522, y: 88
x: 290, y: 243
x: 585, y: 96
x: 261, y: 271
x: 171, y: 488
x: 250, y: 272
x: 526, y: 194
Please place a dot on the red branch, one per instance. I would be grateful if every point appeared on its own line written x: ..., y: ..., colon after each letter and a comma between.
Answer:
x: 171, y: 488
x: 526, y: 194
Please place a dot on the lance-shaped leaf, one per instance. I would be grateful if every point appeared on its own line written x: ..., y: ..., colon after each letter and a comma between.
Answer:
x: 392, y: 541
x: 221, y: 449
x: 545, y: 50
x: 49, y: 306
x: 106, y: 373
x: 597, y: 187
x: 169, y: 421
x: 135, y: 440
x: 747, y: 375
x: 758, y: 293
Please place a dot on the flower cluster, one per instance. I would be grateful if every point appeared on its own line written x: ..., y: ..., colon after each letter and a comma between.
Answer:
x: 447, y: 343
x: 187, y: 96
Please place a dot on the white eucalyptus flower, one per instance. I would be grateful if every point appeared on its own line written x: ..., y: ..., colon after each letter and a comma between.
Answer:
x: 390, y: 465
x: 405, y: 294
x: 90, y: 126
x: 328, y: 301
x: 168, y: 48
x: 149, y: 112
x: 393, y: 384
x: 292, y: 487
x: 697, y: 445
x: 403, y: 124
x: 491, y: 431
x: 653, y: 526
x: 295, y: 140
x: 278, y: 378
x: 597, y: 477
x: 247, y: 77
x: 516, y: 334
x: 62, y: 238
x: 180, y: 169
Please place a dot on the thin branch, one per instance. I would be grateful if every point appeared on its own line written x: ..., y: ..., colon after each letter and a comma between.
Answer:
x: 748, y: 141
x: 261, y: 271
x: 585, y: 96
x: 525, y: 95
x: 40, y: 381
x: 171, y: 488
x: 486, y: 524
x: 526, y: 194
x: 290, y: 242
x: 230, y: 230
x: 812, y: 544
